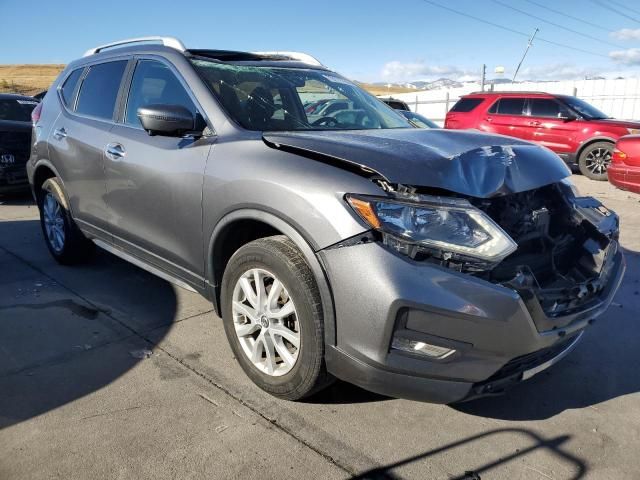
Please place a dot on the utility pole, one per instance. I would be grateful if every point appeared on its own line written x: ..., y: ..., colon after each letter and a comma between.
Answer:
x: 483, y: 76
x: 525, y: 54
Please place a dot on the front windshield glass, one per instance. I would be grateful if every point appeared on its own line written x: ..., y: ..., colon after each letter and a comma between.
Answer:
x: 419, y: 120
x: 584, y: 109
x: 279, y: 98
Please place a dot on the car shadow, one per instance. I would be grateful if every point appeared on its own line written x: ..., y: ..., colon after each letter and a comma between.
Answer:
x: 17, y: 199
x: 343, y: 393
x: 66, y: 332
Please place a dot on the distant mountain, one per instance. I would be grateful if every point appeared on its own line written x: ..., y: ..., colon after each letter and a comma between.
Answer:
x: 422, y: 84
x: 437, y: 84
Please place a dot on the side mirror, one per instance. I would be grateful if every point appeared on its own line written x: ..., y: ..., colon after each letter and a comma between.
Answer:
x: 569, y: 117
x: 166, y: 120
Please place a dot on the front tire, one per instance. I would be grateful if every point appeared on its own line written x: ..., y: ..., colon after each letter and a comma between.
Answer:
x: 272, y: 316
x: 65, y: 241
x: 595, y: 159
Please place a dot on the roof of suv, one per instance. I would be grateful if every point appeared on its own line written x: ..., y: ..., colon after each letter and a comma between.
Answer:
x: 298, y: 59
x: 510, y: 94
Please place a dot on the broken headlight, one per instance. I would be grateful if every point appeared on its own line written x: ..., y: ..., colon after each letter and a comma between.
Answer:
x: 450, y: 226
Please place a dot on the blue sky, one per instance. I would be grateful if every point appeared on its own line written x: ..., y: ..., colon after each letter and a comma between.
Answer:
x: 364, y: 40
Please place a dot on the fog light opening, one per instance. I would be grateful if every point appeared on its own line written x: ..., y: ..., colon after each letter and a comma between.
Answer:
x: 421, y: 348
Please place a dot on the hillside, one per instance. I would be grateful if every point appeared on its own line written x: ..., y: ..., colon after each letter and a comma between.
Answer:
x: 32, y: 79
x: 27, y: 79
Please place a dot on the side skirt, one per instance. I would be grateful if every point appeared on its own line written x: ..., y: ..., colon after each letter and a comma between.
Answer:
x: 143, y: 265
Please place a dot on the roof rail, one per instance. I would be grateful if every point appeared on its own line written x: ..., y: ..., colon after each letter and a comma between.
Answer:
x: 170, y: 42
x: 299, y: 56
x: 517, y: 92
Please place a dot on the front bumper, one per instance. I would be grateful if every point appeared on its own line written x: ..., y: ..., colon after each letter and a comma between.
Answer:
x: 624, y: 177
x: 378, y: 293
x: 13, y: 178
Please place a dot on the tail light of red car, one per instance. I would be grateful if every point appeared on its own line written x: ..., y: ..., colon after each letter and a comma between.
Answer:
x: 618, y: 156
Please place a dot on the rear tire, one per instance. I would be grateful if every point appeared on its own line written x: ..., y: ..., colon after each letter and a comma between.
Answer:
x: 65, y: 241
x: 595, y: 159
x: 282, y: 353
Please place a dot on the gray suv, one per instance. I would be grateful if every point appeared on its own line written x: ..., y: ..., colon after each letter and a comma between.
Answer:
x: 427, y: 264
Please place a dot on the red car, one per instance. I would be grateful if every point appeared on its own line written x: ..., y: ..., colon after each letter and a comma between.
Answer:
x: 575, y: 130
x: 624, y: 171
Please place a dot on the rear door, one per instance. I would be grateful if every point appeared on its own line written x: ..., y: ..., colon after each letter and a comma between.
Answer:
x: 548, y: 125
x: 154, y: 188
x: 507, y: 116
x: 80, y: 134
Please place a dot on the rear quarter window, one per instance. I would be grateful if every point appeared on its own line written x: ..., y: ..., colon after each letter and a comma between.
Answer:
x: 69, y: 87
x: 99, y: 89
x: 466, y: 104
x: 509, y: 106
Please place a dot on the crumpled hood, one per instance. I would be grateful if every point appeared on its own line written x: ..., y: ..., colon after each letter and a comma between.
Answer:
x: 466, y: 162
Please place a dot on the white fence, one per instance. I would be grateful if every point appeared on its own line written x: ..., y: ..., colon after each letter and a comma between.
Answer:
x: 616, y: 98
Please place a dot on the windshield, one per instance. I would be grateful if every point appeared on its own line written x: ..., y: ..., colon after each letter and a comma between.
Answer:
x: 278, y: 98
x: 418, y: 120
x: 17, y: 110
x: 584, y: 109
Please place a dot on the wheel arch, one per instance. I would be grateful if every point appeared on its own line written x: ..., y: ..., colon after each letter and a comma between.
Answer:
x: 41, y: 173
x: 591, y: 141
x: 224, y: 241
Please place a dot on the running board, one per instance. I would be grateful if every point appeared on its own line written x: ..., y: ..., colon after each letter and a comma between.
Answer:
x: 143, y: 265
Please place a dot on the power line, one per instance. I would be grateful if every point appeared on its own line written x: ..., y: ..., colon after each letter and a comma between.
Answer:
x: 624, y: 6
x: 508, y: 29
x: 586, y: 35
x: 613, y: 9
x: 581, y: 20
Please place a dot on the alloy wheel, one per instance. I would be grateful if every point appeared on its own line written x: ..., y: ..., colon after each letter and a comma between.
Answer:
x: 598, y: 160
x: 53, y: 222
x: 266, y: 322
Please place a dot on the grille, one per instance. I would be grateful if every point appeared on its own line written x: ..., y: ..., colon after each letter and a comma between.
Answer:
x: 530, y: 360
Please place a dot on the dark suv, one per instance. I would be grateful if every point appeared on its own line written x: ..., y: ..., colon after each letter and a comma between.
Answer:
x: 419, y: 263
x: 15, y: 141
x: 572, y: 128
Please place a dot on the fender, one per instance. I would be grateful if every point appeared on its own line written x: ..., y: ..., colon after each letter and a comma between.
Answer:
x: 213, y: 278
x: 598, y: 138
x: 33, y: 168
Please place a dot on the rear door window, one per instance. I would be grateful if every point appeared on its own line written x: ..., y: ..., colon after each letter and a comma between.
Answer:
x: 154, y: 83
x: 466, y: 104
x: 546, y: 107
x: 69, y: 87
x: 509, y: 106
x: 99, y: 89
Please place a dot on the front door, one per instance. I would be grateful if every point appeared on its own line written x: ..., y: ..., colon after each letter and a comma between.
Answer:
x: 154, y: 183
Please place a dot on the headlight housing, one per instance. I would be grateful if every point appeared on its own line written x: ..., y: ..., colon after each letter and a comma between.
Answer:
x: 450, y: 226
x: 633, y: 131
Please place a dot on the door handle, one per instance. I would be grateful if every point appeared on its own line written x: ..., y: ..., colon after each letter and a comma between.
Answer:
x: 115, y: 151
x: 59, y: 133
x: 535, y: 123
x: 489, y: 119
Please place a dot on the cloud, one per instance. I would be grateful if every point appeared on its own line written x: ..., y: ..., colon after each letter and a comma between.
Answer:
x: 398, y: 71
x: 557, y: 71
x: 631, y: 56
x: 626, y: 34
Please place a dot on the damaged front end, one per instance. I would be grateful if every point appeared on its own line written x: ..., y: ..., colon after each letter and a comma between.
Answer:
x: 554, y: 248
x: 566, y: 249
